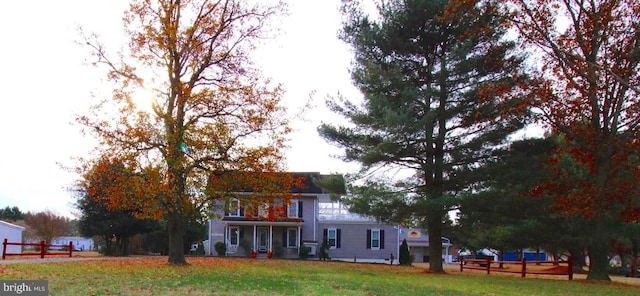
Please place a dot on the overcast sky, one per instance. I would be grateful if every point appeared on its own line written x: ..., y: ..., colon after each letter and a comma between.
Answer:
x: 44, y: 83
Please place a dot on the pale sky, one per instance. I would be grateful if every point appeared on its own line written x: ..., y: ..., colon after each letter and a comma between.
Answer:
x: 44, y: 83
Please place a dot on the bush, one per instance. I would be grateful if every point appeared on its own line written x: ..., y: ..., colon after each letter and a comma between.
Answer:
x: 405, y: 256
x: 221, y: 248
x: 246, y: 246
x: 278, y: 250
x: 200, y: 249
x: 304, y: 252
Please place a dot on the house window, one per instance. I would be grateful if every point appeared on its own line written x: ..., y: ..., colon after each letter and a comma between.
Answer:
x: 292, y: 237
x: 375, y: 239
x: 292, y: 209
x: 234, y: 208
x: 263, y: 210
x: 332, y: 236
x: 234, y: 235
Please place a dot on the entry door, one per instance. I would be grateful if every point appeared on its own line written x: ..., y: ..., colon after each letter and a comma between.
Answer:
x: 263, y: 239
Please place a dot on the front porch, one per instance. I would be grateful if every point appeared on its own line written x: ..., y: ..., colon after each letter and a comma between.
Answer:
x: 261, y: 238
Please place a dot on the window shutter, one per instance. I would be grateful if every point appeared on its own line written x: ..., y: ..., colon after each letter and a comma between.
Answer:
x: 338, y: 238
x: 241, y: 211
x: 381, y: 239
x: 368, y: 238
x: 325, y: 235
x: 299, y: 209
x: 300, y: 231
x: 241, y: 234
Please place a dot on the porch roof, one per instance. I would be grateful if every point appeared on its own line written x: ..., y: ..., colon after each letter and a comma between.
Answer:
x: 263, y: 223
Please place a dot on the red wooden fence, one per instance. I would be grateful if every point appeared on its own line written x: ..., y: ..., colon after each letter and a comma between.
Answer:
x: 44, y: 249
x: 485, y: 264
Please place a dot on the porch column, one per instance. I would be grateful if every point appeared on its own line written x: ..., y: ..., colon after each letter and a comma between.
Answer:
x: 254, y: 238
x: 270, y: 238
x: 299, y: 237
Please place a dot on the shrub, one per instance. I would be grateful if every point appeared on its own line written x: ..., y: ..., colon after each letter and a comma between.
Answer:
x: 405, y: 256
x: 304, y: 252
x: 246, y: 246
x: 221, y: 248
x: 200, y: 249
x: 278, y: 250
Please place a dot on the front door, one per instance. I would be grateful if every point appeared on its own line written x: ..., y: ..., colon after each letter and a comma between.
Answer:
x: 263, y: 239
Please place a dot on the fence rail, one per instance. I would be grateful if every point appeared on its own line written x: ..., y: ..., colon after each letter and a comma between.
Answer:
x: 560, y: 267
x: 44, y: 249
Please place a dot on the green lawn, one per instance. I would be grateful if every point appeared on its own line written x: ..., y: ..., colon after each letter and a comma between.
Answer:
x: 222, y: 276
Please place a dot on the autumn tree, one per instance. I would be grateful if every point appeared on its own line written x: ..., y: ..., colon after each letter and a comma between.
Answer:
x: 588, y: 57
x: 211, y: 109
x: 45, y: 225
x: 431, y: 84
x: 102, y: 216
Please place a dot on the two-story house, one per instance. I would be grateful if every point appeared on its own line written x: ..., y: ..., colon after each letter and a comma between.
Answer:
x: 307, y: 219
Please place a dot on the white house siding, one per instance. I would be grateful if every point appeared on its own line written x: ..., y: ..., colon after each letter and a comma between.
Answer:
x: 13, y: 234
x: 79, y: 243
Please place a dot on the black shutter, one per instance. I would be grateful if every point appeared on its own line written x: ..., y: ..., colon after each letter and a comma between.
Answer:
x: 337, y: 238
x: 241, y: 211
x: 300, y: 236
x: 241, y: 234
x: 368, y: 238
x: 299, y: 209
x: 325, y: 234
x: 381, y: 239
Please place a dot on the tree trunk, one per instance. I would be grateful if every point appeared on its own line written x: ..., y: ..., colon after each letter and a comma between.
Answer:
x: 598, y: 263
x: 578, y: 260
x: 598, y: 249
x: 434, y: 227
x: 175, y: 231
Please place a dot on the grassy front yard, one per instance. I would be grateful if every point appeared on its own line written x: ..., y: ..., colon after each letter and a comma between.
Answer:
x: 223, y: 276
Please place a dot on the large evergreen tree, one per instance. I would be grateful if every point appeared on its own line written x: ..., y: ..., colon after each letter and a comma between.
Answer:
x: 430, y: 85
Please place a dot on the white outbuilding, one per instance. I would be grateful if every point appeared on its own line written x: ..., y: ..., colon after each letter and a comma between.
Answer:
x: 13, y: 234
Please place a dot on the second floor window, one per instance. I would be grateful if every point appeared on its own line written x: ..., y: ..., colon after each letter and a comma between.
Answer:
x: 234, y: 208
x: 292, y: 209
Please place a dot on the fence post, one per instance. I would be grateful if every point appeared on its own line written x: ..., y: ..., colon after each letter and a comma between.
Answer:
x: 70, y: 248
x: 4, y: 249
x: 488, y: 265
x: 42, y: 249
x: 524, y: 267
x: 570, y: 268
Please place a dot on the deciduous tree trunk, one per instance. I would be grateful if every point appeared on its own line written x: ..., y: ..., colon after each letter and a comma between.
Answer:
x: 175, y: 230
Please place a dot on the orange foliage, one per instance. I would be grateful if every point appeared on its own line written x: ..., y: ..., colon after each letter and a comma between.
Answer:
x: 270, y: 191
x: 212, y: 110
x: 588, y: 91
